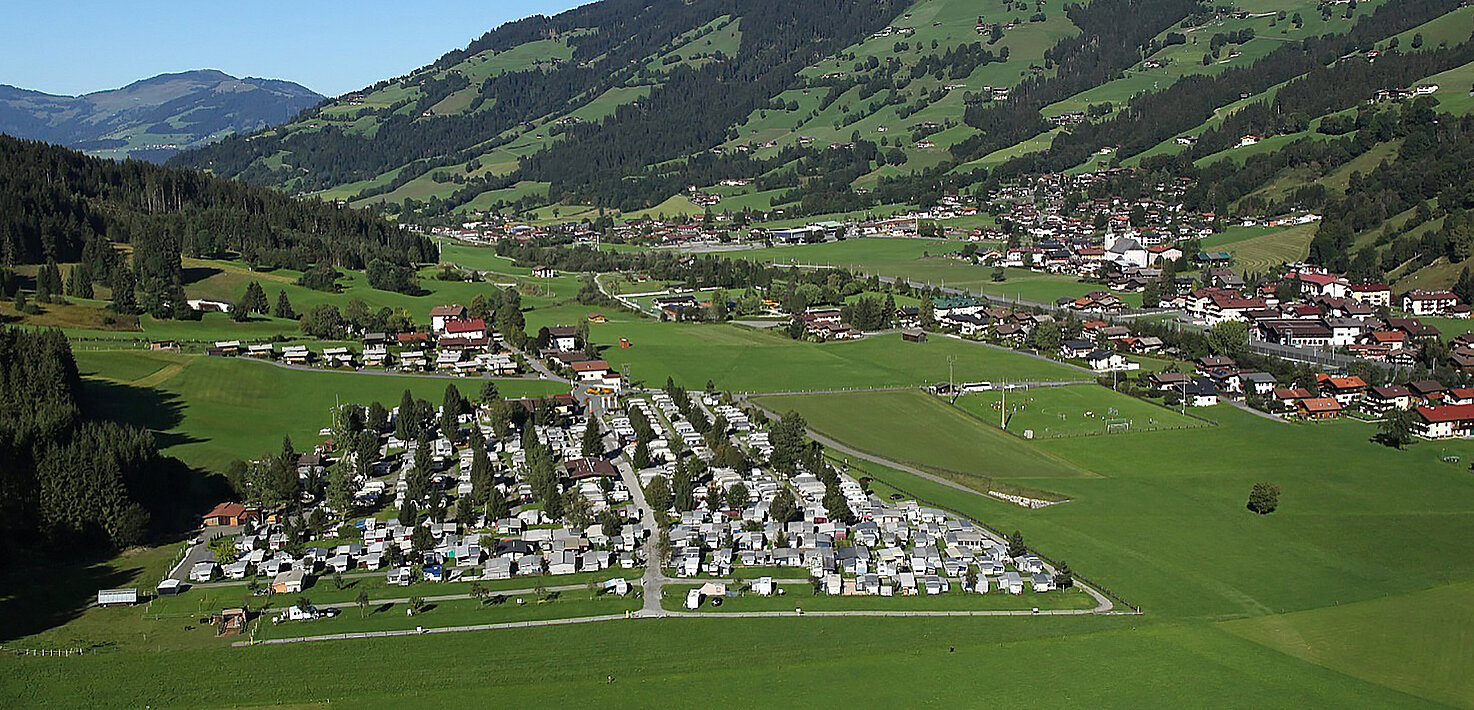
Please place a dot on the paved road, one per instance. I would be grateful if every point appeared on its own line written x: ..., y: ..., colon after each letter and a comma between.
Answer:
x: 440, y: 630
x: 652, y: 581
x: 1253, y: 411
x: 199, y: 553
x: 459, y: 597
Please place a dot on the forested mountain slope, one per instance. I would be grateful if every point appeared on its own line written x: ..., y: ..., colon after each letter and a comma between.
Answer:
x: 153, y: 118
x: 825, y: 106
x: 59, y: 206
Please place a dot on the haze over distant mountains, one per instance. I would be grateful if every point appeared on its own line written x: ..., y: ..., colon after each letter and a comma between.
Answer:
x: 154, y: 118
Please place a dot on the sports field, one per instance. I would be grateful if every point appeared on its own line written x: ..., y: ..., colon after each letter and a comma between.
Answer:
x: 920, y: 429
x: 1081, y: 410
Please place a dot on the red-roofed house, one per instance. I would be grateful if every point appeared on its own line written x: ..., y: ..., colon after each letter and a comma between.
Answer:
x: 1445, y: 422
x: 1315, y: 284
x: 473, y: 328
x: 1318, y: 408
x: 1346, y: 390
x: 225, y: 515
x: 589, y: 370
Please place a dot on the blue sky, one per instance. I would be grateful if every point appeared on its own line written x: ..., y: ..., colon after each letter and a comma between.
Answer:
x: 329, y: 46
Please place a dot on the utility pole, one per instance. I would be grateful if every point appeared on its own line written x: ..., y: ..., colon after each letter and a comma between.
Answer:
x: 951, y: 385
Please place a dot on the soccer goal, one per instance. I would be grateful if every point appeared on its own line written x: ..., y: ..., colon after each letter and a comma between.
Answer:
x: 1118, y: 426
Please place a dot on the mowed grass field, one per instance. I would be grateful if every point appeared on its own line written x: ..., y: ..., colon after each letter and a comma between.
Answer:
x: 1257, y: 250
x: 1161, y: 521
x: 210, y: 411
x: 744, y: 359
x: 802, y: 596
x: 926, y: 260
x: 856, y: 662
x: 1079, y: 410
x: 917, y: 428
x: 1417, y: 642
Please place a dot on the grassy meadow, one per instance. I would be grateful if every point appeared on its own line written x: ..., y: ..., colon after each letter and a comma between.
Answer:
x: 210, y: 411
x: 1079, y: 410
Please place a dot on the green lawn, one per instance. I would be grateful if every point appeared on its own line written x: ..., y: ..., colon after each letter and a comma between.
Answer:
x: 1260, y: 249
x: 1116, y: 662
x: 802, y: 596
x: 460, y: 612
x: 924, y: 260
x: 1417, y: 643
x: 920, y: 429
x: 744, y: 359
x: 1081, y: 410
x: 210, y: 411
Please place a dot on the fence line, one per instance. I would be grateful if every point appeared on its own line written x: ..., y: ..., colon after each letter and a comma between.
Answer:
x: 54, y: 652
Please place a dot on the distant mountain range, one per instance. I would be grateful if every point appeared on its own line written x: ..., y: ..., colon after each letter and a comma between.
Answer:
x: 154, y: 118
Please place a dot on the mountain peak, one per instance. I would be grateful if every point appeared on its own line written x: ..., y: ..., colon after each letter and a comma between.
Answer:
x: 155, y: 117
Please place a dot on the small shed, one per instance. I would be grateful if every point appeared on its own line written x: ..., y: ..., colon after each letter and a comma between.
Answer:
x: 117, y: 597
x: 231, y: 620
x: 170, y: 587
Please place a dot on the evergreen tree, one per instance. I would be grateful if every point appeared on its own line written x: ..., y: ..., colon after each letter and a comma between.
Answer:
x: 405, y: 426
x: 254, y: 299
x: 283, y: 306
x: 1464, y: 287
x: 451, y: 407
x: 1016, y: 546
x: 79, y: 284
x: 123, y: 285
x: 593, y: 444
x: 658, y: 494
x: 738, y: 497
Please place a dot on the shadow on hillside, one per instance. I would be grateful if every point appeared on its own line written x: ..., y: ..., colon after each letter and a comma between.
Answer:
x: 43, y: 596
x: 196, y: 274
x: 176, y: 494
x: 152, y: 409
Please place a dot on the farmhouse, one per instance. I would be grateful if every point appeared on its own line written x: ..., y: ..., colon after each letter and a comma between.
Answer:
x: 1428, y: 303
x: 226, y: 514
x: 1445, y: 422
x: 1318, y: 408
x: 591, y: 370
x: 1378, y: 401
x: 440, y: 315
x: 1346, y: 390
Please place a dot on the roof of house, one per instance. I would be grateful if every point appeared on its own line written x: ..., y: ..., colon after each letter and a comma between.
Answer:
x: 447, y: 311
x: 1317, y: 405
x: 1389, y: 391
x: 589, y: 468
x: 465, y: 326
x: 1421, y: 295
x: 589, y: 365
x: 231, y: 510
x: 1447, y: 413
x: 1425, y: 387
x: 1340, y: 383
